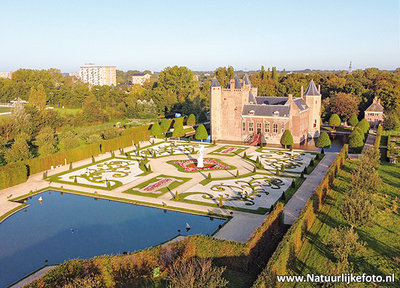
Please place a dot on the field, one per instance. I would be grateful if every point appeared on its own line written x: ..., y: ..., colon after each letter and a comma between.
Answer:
x: 382, y: 256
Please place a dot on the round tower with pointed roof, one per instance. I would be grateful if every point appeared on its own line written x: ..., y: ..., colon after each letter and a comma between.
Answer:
x: 312, y: 96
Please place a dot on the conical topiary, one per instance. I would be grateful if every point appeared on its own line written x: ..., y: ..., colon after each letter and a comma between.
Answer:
x: 237, y: 173
x: 254, y: 169
x: 93, y: 161
x: 244, y: 154
x: 293, y: 183
x: 70, y: 166
x: 209, y: 176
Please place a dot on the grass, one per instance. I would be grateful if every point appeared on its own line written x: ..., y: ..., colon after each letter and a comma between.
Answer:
x: 381, y: 235
x: 162, y: 191
x: 68, y: 111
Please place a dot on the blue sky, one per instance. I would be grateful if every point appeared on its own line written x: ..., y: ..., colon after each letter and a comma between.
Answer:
x: 202, y: 34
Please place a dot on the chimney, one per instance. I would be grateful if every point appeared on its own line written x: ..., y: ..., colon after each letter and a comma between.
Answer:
x: 319, y: 89
x: 290, y: 98
x: 301, y: 91
x: 232, y: 83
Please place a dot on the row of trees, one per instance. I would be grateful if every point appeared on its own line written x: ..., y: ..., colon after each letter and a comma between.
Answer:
x: 342, y: 93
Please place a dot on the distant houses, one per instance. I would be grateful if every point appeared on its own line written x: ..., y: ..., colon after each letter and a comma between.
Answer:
x: 374, y: 113
x: 140, y: 78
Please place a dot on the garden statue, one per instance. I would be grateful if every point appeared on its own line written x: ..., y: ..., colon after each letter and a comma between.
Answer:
x: 200, y: 163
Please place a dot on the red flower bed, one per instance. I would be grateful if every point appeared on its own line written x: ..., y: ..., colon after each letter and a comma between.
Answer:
x: 191, y: 165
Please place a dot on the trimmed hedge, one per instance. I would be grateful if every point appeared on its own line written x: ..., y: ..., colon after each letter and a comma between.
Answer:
x: 14, y: 174
x: 292, y: 242
x: 379, y: 132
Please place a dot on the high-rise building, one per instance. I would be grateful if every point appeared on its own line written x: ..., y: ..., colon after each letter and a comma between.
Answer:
x: 98, y: 74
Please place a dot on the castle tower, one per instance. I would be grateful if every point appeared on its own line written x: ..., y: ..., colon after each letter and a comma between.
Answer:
x: 215, y: 108
x: 312, y: 96
x: 350, y: 69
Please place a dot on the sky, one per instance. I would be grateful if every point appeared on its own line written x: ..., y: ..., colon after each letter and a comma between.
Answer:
x: 201, y: 34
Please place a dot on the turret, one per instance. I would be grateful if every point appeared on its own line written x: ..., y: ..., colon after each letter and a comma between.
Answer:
x: 312, y: 96
x: 215, y: 105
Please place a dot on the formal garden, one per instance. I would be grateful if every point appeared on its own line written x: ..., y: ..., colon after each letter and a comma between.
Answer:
x: 106, y: 174
x: 271, y: 174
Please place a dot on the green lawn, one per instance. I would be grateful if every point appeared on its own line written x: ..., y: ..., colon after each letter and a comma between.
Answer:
x: 68, y: 111
x: 382, y: 256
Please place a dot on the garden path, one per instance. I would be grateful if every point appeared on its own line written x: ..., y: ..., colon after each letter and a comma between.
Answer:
x: 296, y: 204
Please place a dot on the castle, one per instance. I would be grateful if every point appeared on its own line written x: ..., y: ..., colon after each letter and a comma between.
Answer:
x: 239, y: 115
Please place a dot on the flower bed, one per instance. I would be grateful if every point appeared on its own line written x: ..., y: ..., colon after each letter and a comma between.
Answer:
x: 157, y: 185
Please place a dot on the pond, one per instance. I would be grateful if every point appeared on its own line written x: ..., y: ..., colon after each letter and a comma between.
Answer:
x: 64, y: 226
x: 337, y: 142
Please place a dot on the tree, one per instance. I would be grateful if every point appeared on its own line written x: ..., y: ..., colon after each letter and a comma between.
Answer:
x: 357, y: 208
x: 156, y: 130
x: 91, y: 110
x: 202, y: 117
x: 178, y: 130
x: 345, y: 105
x: 201, y: 133
x: 21, y: 121
x: 363, y: 125
x: 353, y: 120
x: 356, y: 140
x: 191, y: 120
x: 46, y: 142
x: 334, y: 121
x: 70, y: 141
x: 19, y: 150
x: 323, y: 141
x: 391, y: 121
x: 287, y: 138
x: 274, y: 74
x: 40, y: 98
x: 344, y: 242
x: 195, y: 273
x: 165, y: 124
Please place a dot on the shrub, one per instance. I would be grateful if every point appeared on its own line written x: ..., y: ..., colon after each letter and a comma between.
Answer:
x: 334, y: 121
x: 356, y: 140
x: 391, y: 121
x: 156, y: 130
x: 201, y: 133
x: 191, y: 120
x: 323, y: 141
x: 363, y: 125
x: 165, y: 124
x: 353, y: 120
x: 287, y: 138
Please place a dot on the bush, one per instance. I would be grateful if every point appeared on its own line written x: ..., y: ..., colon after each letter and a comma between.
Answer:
x: 323, y: 141
x: 156, y: 130
x: 363, y: 125
x: 287, y: 138
x: 191, y: 120
x: 353, y: 120
x: 111, y: 133
x: 201, y: 133
x: 334, y: 121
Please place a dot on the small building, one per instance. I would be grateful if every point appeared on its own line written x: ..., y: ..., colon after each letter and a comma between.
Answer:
x: 374, y: 113
x: 140, y: 78
x: 98, y: 74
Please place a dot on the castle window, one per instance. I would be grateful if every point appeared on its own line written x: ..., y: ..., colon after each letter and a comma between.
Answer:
x: 276, y: 113
x: 315, y: 123
x: 244, y: 126
x: 251, y: 127
x: 258, y: 127
x: 266, y: 127
x: 275, y: 128
x: 251, y: 112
